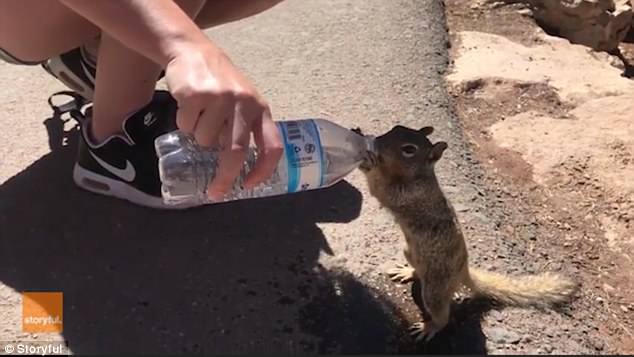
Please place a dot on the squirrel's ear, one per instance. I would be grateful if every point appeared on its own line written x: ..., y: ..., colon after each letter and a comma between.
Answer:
x: 426, y: 130
x: 437, y: 150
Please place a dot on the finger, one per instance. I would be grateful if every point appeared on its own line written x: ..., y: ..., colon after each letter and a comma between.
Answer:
x: 270, y: 149
x: 231, y: 159
x: 210, y: 124
x: 186, y: 118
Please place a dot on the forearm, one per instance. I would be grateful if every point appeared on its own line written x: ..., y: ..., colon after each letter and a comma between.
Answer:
x: 219, y: 12
x: 158, y: 29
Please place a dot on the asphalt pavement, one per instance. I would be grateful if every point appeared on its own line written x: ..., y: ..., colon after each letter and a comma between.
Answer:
x: 288, y: 274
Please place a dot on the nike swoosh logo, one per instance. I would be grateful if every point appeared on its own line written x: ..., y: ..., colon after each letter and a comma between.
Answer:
x: 128, y: 174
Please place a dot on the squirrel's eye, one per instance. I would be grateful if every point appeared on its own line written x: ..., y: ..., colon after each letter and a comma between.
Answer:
x: 409, y: 150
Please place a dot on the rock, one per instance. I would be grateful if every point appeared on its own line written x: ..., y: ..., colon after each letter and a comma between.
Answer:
x: 608, y: 288
x: 501, y: 335
x: 599, y: 300
x: 598, y: 344
x: 496, y: 315
x: 499, y: 351
x: 599, y: 24
x: 459, y: 207
x: 473, y: 85
x: 616, y: 62
x: 525, y: 12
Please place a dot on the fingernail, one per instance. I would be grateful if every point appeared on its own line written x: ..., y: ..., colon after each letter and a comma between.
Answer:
x: 215, y: 195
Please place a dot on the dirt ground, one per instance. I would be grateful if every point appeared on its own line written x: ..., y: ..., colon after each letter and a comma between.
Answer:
x: 557, y: 154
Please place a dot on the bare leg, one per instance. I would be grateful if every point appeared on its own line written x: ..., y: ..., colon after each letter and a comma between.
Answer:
x: 125, y: 83
x: 56, y: 30
x: 126, y: 80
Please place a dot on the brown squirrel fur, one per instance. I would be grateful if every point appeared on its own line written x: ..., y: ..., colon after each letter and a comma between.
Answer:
x: 400, y: 175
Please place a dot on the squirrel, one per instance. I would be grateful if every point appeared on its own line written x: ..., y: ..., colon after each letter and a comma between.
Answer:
x: 400, y: 175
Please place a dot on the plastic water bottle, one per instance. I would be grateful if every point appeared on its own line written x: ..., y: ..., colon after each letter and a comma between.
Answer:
x: 317, y: 153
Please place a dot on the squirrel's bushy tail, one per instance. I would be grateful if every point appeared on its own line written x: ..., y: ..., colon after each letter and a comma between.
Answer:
x: 540, y: 291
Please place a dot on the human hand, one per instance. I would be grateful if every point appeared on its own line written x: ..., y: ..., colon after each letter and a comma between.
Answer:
x: 219, y: 106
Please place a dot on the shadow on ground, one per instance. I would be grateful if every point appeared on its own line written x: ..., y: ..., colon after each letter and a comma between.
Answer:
x: 330, y: 317
x: 628, y: 68
x: 228, y: 278
x: 463, y: 334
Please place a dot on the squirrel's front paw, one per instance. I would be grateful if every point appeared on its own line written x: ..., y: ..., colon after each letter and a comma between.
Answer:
x: 402, y: 273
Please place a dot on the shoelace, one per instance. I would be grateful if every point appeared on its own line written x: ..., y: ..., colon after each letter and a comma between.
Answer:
x: 73, y: 107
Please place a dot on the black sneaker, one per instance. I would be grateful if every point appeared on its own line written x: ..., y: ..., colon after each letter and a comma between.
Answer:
x: 126, y: 165
x: 75, y: 69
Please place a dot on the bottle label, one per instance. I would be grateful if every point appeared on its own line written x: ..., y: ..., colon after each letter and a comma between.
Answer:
x: 304, y: 154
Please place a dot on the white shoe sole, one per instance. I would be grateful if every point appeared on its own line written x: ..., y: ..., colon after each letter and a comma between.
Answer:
x: 58, y: 69
x: 95, y: 183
